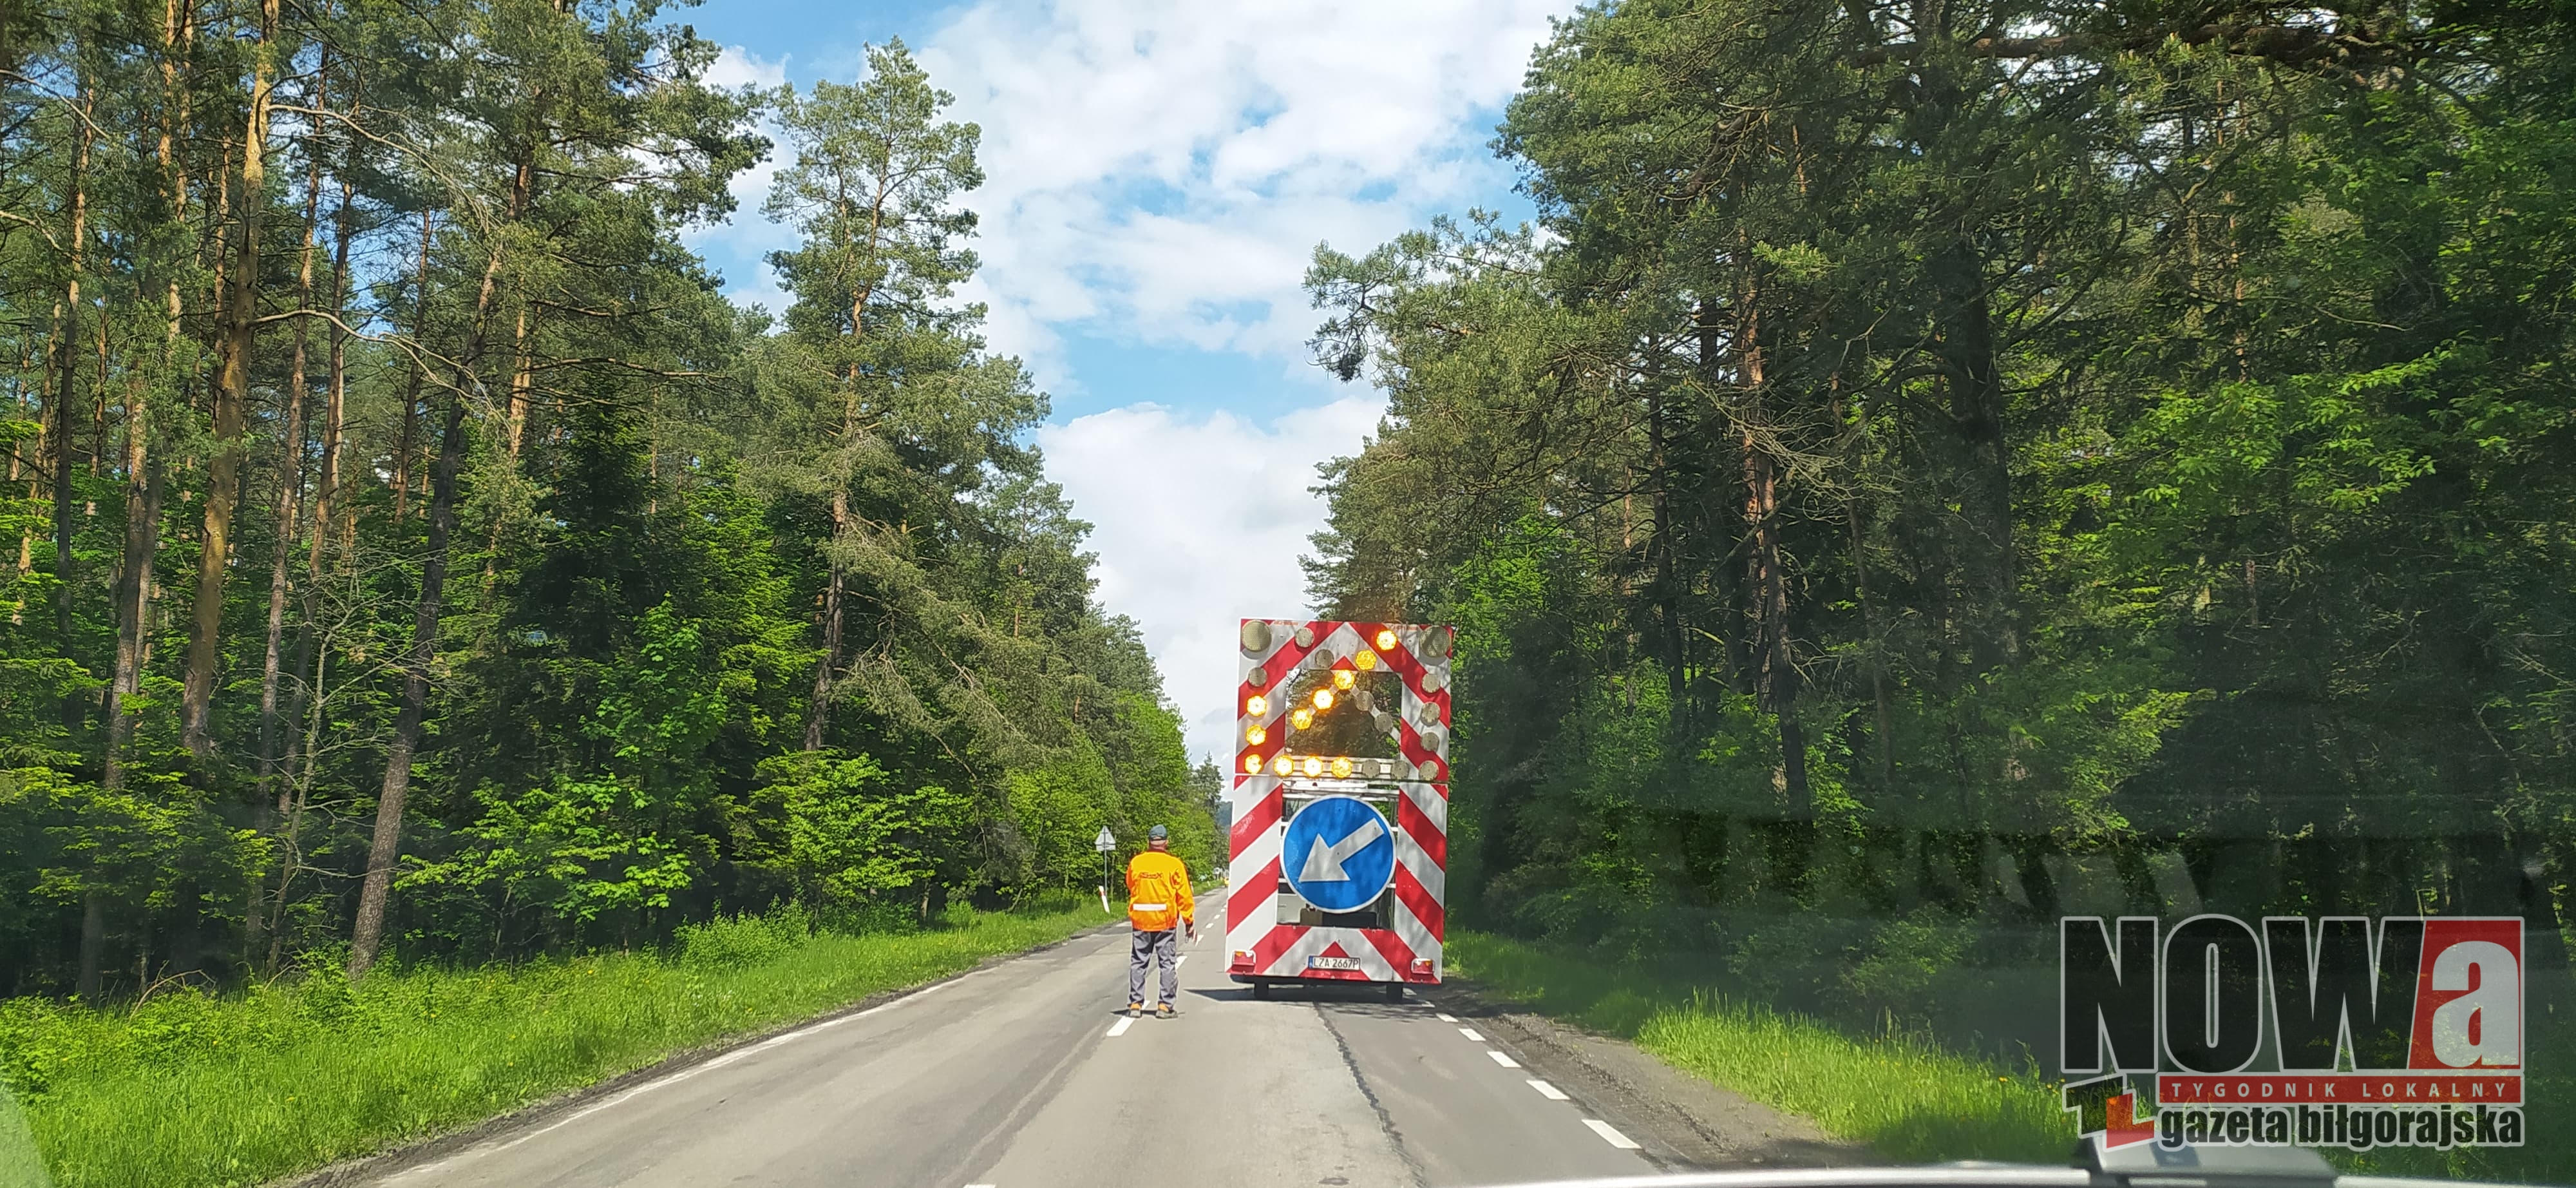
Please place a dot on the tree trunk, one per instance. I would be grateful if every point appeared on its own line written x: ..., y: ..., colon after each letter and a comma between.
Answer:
x: 829, y: 668
x: 290, y: 488
x: 403, y: 447
x: 93, y: 946
x: 143, y: 490
x: 385, y: 845
x: 66, y: 365
x: 232, y: 399
x: 1976, y: 423
x: 326, y: 483
x: 1775, y: 665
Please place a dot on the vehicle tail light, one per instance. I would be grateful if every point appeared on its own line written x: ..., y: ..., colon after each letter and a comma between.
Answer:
x: 1242, y: 959
x: 1422, y: 965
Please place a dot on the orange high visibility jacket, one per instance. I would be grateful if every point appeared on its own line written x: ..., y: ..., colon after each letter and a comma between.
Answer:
x: 1158, y: 892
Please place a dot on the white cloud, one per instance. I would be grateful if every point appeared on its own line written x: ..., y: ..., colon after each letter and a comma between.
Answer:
x: 1200, y: 521
x: 749, y: 235
x: 1160, y: 171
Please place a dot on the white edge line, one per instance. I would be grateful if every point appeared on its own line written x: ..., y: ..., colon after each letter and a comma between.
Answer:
x: 679, y: 1076
x: 1499, y: 1058
x: 1120, y: 1027
x: 1550, y: 1092
x: 1444, y: 1016
x: 1610, y: 1134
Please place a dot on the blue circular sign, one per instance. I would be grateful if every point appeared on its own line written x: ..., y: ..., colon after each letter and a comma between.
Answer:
x: 1339, y: 853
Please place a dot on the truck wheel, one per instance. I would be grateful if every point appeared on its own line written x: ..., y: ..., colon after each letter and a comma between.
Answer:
x: 1395, y: 992
x: 1261, y: 989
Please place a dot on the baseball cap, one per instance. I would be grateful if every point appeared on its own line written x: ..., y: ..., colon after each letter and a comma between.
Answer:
x: 1158, y: 833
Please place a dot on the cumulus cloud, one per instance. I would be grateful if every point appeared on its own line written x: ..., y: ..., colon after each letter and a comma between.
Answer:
x: 742, y: 242
x: 1160, y: 171
x: 1199, y: 521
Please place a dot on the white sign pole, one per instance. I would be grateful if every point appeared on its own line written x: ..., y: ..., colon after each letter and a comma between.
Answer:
x: 1105, y: 844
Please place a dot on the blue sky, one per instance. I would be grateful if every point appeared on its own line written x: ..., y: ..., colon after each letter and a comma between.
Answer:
x: 1158, y: 175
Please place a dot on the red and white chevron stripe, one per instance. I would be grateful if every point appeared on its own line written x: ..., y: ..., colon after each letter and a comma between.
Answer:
x: 1273, y: 653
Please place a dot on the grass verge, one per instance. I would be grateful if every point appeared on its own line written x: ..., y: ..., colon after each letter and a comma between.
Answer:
x: 1906, y: 1097
x: 194, y: 1089
x: 1909, y: 1097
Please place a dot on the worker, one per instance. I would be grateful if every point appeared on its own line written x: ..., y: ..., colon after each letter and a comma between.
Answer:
x: 1158, y: 898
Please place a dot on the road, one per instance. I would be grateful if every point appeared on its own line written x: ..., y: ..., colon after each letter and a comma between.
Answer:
x: 1025, y: 1074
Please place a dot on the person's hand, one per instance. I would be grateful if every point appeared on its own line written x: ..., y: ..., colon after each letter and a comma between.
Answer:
x: 1190, y: 929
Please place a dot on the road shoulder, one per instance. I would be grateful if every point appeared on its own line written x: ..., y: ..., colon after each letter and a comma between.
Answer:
x: 1696, y: 1123
x: 377, y: 1166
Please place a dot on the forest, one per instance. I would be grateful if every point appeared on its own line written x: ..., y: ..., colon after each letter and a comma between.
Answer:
x: 417, y: 559
x: 1932, y: 467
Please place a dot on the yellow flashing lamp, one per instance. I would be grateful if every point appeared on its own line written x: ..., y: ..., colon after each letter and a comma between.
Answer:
x: 1252, y: 765
x: 1255, y: 735
x: 1282, y: 765
x: 1301, y: 717
x: 1342, y: 767
x: 1344, y: 678
x: 1257, y: 705
x: 1314, y: 767
x: 1385, y: 640
x: 1365, y: 660
x: 1323, y: 699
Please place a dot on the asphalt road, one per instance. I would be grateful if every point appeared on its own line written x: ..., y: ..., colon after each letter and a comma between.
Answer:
x: 1025, y: 1074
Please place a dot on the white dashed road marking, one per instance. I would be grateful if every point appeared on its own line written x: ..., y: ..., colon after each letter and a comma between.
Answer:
x: 1610, y: 1134
x: 1550, y: 1092
x: 1444, y: 1016
x: 1472, y: 1033
x: 1499, y: 1058
x: 1120, y: 1027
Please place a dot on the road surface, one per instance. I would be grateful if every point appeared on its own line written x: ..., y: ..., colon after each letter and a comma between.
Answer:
x: 1025, y: 1074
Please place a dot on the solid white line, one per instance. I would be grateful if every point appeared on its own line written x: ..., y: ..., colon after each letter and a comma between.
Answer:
x: 1120, y: 1027
x: 1471, y: 1033
x: 1499, y: 1058
x: 1610, y: 1134
x: 682, y: 1075
x: 1444, y: 1016
x: 1550, y: 1092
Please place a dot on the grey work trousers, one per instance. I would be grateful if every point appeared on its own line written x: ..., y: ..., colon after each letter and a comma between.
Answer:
x: 1149, y: 948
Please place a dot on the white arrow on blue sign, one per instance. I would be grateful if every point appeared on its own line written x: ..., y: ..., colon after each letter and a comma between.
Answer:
x: 1340, y: 852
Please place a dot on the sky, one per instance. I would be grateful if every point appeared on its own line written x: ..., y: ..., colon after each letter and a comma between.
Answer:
x: 1157, y: 177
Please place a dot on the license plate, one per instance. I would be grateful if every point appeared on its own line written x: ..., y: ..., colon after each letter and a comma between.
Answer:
x: 1351, y: 963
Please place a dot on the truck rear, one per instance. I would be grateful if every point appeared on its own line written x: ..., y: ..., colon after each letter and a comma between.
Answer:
x: 1339, y: 803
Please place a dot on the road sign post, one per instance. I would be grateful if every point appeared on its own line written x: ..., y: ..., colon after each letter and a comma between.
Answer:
x: 1106, y: 843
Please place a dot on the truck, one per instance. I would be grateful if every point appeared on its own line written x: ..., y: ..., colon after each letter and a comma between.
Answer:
x: 1339, y: 804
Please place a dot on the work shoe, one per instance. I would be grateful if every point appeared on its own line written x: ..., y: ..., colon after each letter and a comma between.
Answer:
x: 1163, y: 1010
x: 1135, y: 1009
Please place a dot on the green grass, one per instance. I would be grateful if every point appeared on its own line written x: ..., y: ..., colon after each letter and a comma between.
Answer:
x: 194, y: 1089
x: 1906, y: 1097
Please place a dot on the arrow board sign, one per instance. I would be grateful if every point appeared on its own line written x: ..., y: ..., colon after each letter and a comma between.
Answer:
x: 1338, y: 854
x: 1104, y: 843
